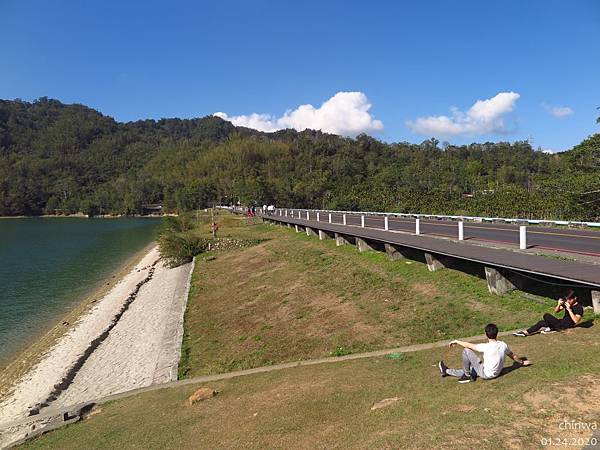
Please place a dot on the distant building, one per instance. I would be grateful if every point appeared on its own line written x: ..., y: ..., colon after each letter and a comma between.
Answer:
x: 151, y: 209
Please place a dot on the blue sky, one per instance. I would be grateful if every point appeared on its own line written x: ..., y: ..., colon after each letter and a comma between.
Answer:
x: 412, y: 62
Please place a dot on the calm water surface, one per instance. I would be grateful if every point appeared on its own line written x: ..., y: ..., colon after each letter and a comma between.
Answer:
x: 48, y: 265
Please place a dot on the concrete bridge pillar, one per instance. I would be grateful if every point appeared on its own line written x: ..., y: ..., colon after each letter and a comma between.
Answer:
x: 596, y: 301
x: 289, y: 225
x: 433, y: 263
x: 363, y: 245
x: 341, y: 240
x: 310, y: 232
x: 297, y: 228
x: 323, y: 235
x: 392, y: 252
x: 497, y: 282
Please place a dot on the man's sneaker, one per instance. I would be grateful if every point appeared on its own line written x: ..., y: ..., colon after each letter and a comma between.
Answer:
x: 520, y: 334
x: 548, y: 330
x: 465, y: 379
x: 443, y: 368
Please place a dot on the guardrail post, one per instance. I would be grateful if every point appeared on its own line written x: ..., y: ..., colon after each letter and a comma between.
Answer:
x: 417, y: 226
x: 362, y: 220
x: 344, y: 218
x: 329, y: 217
x: 461, y: 231
x: 286, y: 213
x: 386, y: 224
x: 279, y: 213
x: 318, y: 216
x: 307, y: 215
x: 298, y: 214
x: 522, y: 237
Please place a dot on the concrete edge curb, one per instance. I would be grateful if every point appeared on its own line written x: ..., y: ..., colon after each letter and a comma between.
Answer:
x: 181, y: 331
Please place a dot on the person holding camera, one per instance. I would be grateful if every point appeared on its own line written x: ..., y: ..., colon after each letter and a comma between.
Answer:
x: 550, y: 324
x: 494, y: 352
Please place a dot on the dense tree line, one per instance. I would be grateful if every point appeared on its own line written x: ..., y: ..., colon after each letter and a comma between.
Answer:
x: 62, y: 159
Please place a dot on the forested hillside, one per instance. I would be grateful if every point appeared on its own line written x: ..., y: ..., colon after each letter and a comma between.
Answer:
x: 61, y: 159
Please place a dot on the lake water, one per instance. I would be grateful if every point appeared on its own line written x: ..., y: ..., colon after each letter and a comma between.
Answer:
x: 47, y: 265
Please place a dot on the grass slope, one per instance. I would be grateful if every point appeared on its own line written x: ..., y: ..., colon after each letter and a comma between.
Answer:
x: 295, y: 297
x: 329, y: 406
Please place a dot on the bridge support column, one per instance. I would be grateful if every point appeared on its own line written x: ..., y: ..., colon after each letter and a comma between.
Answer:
x: 289, y: 225
x: 310, y: 232
x: 497, y: 282
x: 323, y: 235
x: 596, y: 301
x: 433, y: 263
x: 341, y: 240
x: 363, y: 245
x: 392, y: 252
x: 297, y: 228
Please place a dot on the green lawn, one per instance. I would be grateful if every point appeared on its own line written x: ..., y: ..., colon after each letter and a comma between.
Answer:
x: 329, y: 405
x: 294, y: 297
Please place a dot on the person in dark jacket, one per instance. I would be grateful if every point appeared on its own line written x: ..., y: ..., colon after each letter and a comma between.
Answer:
x: 550, y: 323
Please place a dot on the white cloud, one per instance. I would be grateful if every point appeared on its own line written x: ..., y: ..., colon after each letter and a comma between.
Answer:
x: 346, y: 113
x: 559, y: 111
x: 484, y: 117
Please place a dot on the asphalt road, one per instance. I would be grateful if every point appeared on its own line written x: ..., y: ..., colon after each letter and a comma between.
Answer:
x: 559, y: 239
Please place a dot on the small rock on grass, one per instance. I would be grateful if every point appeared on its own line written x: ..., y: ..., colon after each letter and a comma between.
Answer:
x: 201, y: 394
x: 385, y: 402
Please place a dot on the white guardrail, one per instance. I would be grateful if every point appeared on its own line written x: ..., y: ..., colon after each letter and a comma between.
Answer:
x: 438, y: 217
x: 319, y: 213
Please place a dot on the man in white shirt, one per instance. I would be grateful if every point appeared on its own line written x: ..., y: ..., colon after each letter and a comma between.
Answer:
x: 494, y: 353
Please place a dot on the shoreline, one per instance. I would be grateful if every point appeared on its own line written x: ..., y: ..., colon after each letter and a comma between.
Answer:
x: 20, y: 361
x: 127, y: 336
x: 83, y: 216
